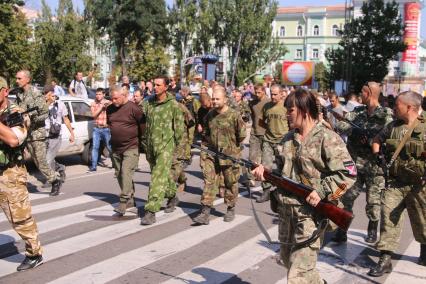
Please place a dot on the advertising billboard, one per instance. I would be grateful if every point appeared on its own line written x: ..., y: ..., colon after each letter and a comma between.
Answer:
x: 298, y: 73
x: 411, y: 22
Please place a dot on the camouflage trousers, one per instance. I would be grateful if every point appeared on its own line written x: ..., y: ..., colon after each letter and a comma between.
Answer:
x: 14, y: 200
x: 211, y: 173
x: 296, y: 224
x: 269, y: 151
x: 191, y: 133
x: 162, y: 184
x: 395, y: 200
x: 177, y: 172
x: 125, y: 165
x: 255, y: 150
x: 374, y: 185
x: 38, y: 153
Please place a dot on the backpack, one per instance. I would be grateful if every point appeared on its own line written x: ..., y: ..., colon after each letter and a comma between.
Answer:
x: 55, y: 127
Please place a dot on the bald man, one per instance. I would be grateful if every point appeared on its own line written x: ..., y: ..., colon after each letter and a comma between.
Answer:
x: 371, y: 117
x: 224, y: 130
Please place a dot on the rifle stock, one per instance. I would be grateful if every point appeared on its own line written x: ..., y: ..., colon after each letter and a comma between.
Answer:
x: 339, y: 216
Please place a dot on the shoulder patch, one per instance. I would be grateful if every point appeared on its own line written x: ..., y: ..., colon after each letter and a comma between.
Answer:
x: 350, y: 167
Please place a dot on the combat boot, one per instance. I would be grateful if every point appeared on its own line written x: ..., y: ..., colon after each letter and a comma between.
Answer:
x: 422, y: 257
x: 148, y: 219
x: 340, y: 236
x: 121, y: 208
x: 264, y: 197
x: 56, y: 187
x: 171, y: 204
x: 383, y: 266
x: 203, y: 217
x: 30, y: 262
x: 230, y: 214
x: 62, y: 175
x: 372, y: 232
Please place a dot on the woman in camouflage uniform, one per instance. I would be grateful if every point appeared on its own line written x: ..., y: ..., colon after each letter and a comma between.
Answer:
x: 316, y: 156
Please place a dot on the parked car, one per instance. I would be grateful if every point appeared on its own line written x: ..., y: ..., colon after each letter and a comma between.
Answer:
x: 82, y: 123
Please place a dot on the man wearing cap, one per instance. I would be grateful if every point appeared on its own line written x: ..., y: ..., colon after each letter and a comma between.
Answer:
x: 14, y: 198
x: 58, y: 114
x: 30, y: 97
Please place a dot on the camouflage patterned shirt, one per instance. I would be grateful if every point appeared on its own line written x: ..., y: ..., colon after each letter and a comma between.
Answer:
x: 192, y: 104
x: 164, y: 123
x: 320, y: 160
x: 225, y: 132
x: 189, y: 122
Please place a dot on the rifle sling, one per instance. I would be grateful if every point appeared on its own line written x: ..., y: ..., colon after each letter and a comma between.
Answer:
x: 402, y: 142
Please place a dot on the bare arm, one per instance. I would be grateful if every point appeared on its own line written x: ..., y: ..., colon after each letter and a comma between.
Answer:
x: 8, y: 136
x: 68, y: 124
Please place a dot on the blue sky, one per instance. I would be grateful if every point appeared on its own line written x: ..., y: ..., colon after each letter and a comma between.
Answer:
x: 54, y: 3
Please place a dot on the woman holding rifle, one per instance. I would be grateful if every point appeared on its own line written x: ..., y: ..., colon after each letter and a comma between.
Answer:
x: 315, y: 156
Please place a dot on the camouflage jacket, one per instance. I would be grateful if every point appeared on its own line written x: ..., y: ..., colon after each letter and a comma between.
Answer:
x: 34, y: 98
x: 164, y: 124
x: 320, y: 160
x: 225, y: 132
x: 9, y: 155
x: 243, y: 109
x: 192, y: 104
x: 370, y: 125
x: 189, y: 122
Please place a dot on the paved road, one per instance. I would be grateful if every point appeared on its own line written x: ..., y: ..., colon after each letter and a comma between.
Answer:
x: 84, y: 242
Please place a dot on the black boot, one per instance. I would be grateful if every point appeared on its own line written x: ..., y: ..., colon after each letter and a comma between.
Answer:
x: 148, y: 219
x: 264, y: 197
x: 372, y: 232
x: 203, y: 217
x: 56, y: 187
x: 30, y: 262
x: 422, y: 257
x: 383, y: 266
x: 230, y: 214
x: 340, y: 236
x: 171, y: 204
x: 63, y: 175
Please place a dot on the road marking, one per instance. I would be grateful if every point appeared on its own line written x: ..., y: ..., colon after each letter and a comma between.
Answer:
x: 407, y: 270
x: 42, y: 208
x: 225, y: 266
x: 112, y: 268
x: 100, y: 236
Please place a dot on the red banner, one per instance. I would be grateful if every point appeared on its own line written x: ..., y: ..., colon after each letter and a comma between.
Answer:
x: 411, y: 22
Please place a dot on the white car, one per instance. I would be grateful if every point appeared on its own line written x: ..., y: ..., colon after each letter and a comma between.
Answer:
x: 82, y: 123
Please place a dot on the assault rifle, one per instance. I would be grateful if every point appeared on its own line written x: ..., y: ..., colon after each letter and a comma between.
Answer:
x: 15, y: 118
x: 340, y: 217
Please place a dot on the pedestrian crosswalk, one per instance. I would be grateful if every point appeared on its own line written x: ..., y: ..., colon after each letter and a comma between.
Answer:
x: 91, y: 246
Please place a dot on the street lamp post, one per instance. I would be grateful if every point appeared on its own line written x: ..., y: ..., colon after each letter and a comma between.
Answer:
x: 400, y: 75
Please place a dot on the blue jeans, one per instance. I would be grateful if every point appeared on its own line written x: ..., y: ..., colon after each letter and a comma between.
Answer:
x: 99, y: 134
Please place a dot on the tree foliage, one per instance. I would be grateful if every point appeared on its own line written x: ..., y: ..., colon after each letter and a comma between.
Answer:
x: 368, y: 44
x: 15, y: 51
x: 129, y: 21
x: 322, y: 76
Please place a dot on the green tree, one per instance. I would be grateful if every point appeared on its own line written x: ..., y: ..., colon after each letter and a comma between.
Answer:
x: 129, y: 21
x: 368, y: 44
x: 148, y: 62
x: 322, y: 76
x: 15, y: 47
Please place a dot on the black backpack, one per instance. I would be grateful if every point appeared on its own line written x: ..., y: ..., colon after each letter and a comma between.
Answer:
x: 55, y: 127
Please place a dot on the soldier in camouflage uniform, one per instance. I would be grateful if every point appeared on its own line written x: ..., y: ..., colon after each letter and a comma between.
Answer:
x: 192, y: 104
x: 14, y: 198
x: 177, y: 171
x: 164, y: 131
x: 28, y: 98
x: 224, y: 131
x: 275, y: 122
x: 314, y: 155
x: 407, y: 188
x: 371, y: 118
x: 240, y: 105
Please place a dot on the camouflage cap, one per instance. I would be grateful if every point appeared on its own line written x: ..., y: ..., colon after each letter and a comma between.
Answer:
x: 3, y: 83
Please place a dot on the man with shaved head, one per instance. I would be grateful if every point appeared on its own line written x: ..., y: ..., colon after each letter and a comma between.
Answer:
x: 224, y: 130
x: 371, y: 117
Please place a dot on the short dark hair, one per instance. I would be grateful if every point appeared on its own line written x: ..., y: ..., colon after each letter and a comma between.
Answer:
x: 304, y: 100
x: 164, y: 78
x: 100, y: 90
x: 126, y: 85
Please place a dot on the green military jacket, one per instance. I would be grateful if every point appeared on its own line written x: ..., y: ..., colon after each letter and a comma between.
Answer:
x: 192, y: 104
x: 225, y: 132
x: 164, y: 124
x: 34, y: 98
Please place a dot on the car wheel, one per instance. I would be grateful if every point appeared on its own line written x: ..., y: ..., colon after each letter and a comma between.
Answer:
x: 86, y: 156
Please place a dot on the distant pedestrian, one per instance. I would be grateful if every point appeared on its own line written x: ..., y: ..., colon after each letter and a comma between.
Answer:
x: 58, y: 90
x: 124, y: 119
x: 78, y: 86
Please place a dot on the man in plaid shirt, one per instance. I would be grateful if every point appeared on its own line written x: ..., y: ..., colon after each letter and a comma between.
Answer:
x: 101, y: 130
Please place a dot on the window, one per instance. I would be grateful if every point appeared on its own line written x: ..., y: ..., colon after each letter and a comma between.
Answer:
x: 299, y: 53
x: 315, y: 53
x: 282, y: 32
x: 299, y: 31
x: 81, y: 111
x: 335, y: 30
x: 316, y: 30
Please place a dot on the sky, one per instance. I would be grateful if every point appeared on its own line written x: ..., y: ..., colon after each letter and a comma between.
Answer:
x: 79, y: 3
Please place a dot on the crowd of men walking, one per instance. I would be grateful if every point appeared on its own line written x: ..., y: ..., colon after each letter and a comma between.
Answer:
x: 311, y: 138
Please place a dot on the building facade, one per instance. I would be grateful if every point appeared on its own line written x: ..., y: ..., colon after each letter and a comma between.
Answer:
x: 308, y: 32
